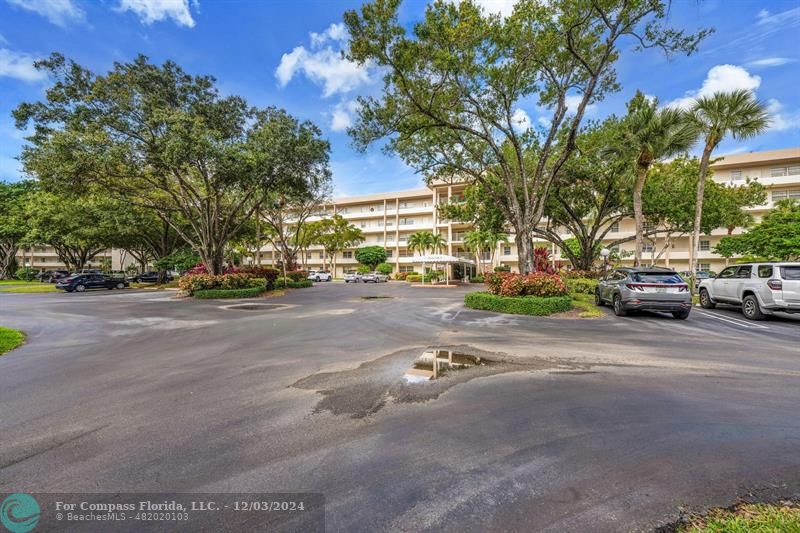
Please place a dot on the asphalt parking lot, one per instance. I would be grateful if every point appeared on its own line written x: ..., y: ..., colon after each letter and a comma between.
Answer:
x: 610, y: 424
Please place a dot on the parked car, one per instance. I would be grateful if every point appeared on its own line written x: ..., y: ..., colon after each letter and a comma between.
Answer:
x: 52, y: 276
x: 380, y: 278
x: 645, y: 289
x: 353, y: 277
x: 148, y: 277
x: 83, y: 282
x: 319, y: 275
x: 760, y: 288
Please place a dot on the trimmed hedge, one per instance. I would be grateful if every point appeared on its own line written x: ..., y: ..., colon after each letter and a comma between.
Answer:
x: 518, y: 305
x: 291, y: 284
x: 213, y: 294
x: 581, y: 285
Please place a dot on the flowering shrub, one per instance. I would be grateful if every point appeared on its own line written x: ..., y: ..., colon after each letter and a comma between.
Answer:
x: 267, y: 273
x: 541, y: 260
x: 534, y: 284
x: 401, y: 275
x: 297, y: 275
x: 201, y: 282
x: 200, y: 268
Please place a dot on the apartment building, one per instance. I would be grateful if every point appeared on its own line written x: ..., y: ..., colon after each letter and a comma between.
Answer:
x: 388, y: 219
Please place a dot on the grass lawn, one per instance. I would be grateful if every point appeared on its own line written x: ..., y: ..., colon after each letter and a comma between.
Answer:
x: 10, y: 339
x: 18, y: 282
x: 32, y: 287
x: 585, y: 303
x: 747, y: 518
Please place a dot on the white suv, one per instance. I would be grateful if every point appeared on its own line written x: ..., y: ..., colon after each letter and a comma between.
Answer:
x: 319, y: 275
x: 760, y: 288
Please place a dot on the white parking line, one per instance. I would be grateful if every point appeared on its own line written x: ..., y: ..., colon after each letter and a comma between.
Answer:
x: 734, y: 321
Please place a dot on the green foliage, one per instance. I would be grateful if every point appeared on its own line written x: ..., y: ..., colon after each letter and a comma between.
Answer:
x: 363, y: 269
x: 518, y: 305
x: 26, y: 274
x: 201, y: 282
x: 746, y: 518
x: 10, y: 339
x: 179, y: 260
x: 292, y: 284
x: 371, y: 256
x: 334, y: 234
x: 297, y: 275
x: 585, y: 304
x: 533, y: 284
x: 777, y: 237
x: 476, y: 279
x: 454, y: 81
x: 385, y: 268
x: 158, y: 137
x: 215, y: 294
x: 13, y: 222
x: 581, y: 285
x: 476, y: 207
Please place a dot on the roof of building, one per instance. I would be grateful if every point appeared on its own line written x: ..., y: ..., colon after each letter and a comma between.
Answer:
x: 767, y: 157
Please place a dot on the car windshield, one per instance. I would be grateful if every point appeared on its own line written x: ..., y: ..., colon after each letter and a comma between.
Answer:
x: 791, y: 273
x: 653, y: 277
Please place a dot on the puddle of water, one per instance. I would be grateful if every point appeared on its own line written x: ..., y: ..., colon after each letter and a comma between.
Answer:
x: 435, y: 363
x: 377, y: 297
x: 254, y: 307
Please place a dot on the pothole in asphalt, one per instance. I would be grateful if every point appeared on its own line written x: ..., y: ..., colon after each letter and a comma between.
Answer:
x: 377, y: 297
x: 254, y: 307
x: 407, y: 376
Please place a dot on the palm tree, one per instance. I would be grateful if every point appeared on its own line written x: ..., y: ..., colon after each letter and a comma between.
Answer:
x: 493, y: 240
x: 475, y: 241
x: 738, y: 113
x: 438, y: 242
x: 421, y: 241
x: 653, y: 134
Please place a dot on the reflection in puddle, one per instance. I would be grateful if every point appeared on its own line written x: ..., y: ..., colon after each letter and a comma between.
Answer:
x: 254, y: 307
x: 433, y: 364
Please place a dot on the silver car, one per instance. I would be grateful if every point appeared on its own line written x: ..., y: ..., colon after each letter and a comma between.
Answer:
x: 760, y: 288
x: 319, y: 275
x: 645, y: 289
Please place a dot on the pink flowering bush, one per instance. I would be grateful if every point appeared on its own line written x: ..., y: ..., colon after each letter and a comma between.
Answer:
x: 201, y: 282
x: 533, y: 284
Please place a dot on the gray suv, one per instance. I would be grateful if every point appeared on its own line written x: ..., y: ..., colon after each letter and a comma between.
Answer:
x: 760, y: 288
x: 644, y: 289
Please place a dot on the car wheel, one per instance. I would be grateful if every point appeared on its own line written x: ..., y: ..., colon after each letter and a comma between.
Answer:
x: 751, y: 309
x: 705, y: 300
x: 597, y: 300
x: 80, y: 288
x: 120, y: 285
x: 619, y: 310
x: 316, y: 279
x: 681, y: 315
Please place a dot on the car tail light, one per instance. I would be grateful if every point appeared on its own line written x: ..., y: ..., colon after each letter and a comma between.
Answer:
x: 775, y: 284
x: 633, y: 287
x: 683, y: 288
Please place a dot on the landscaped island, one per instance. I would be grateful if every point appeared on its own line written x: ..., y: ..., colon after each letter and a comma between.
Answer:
x: 10, y: 339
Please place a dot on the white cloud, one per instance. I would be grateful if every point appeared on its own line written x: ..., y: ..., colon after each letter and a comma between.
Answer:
x: 334, y: 32
x: 520, y: 120
x: 721, y: 78
x: 150, y: 11
x: 19, y: 65
x: 780, y: 119
x: 58, y: 12
x: 771, y: 62
x: 574, y: 100
x: 781, y: 20
x: 326, y: 66
x: 342, y: 115
x: 502, y: 7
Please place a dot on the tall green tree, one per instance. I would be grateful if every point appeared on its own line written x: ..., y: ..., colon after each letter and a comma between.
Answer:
x: 453, y: 88
x: 421, y: 242
x: 776, y: 237
x: 168, y: 141
x: 371, y: 256
x: 738, y: 114
x: 654, y: 134
x: 14, y: 224
x: 335, y: 234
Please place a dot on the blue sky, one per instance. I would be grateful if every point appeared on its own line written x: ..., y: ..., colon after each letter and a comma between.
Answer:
x: 286, y: 53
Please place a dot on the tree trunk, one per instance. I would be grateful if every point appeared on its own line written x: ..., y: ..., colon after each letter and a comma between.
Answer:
x: 698, y: 207
x: 524, y: 241
x: 638, y: 216
x: 8, y: 260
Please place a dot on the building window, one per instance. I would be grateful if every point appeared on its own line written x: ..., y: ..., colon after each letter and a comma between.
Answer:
x: 783, y: 195
x: 308, y: 255
x: 321, y: 255
x: 363, y: 224
x: 406, y: 268
x: 703, y: 267
x: 705, y: 246
x: 736, y: 174
x: 777, y: 172
x: 648, y: 227
x: 506, y: 250
x: 344, y: 211
x: 347, y: 255
x: 614, y: 227
x: 648, y: 248
x: 406, y: 221
x: 389, y: 253
x: 793, y: 170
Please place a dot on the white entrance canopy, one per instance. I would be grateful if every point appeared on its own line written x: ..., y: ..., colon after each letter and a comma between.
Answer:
x: 440, y: 259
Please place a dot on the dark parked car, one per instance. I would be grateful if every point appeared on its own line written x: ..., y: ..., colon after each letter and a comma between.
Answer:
x: 83, y: 282
x: 150, y: 277
x: 52, y: 276
x: 645, y: 289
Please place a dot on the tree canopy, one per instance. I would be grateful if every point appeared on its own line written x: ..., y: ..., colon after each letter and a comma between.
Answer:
x: 371, y: 255
x: 168, y: 141
x: 776, y: 237
x: 454, y: 84
x: 14, y: 223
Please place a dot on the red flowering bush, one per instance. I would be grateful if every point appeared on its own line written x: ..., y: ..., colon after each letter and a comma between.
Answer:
x: 534, y: 284
x: 541, y: 260
x: 267, y: 273
x: 201, y: 282
x: 200, y: 268
x: 297, y: 275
